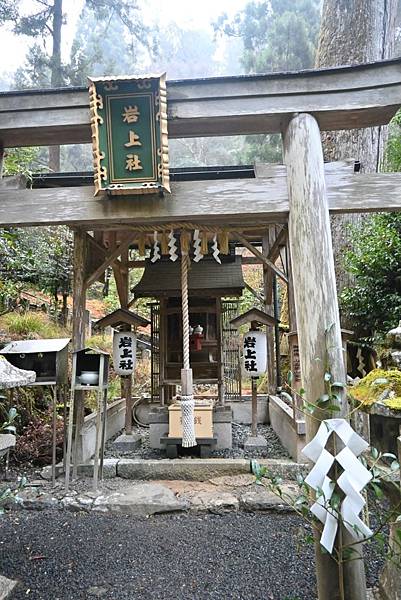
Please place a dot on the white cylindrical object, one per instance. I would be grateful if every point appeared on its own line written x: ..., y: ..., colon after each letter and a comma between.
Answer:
x: 124, y: 352
x: 254, y: 356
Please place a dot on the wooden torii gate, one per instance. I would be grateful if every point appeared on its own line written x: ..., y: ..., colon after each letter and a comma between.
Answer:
x: 300, y: 195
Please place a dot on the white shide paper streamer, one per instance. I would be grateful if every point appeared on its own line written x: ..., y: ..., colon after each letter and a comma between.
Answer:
x: 156, y: 249
x: 172, y: 244
x: 197, y: 246
x: 215, y: 249
x: 351, y: 481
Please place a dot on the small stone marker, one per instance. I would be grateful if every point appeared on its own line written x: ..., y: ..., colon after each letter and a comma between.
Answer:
x: 127, y: 443
x: 255, y: 443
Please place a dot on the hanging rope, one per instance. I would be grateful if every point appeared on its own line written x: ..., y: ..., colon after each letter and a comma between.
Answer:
x: 185, y: 312
x: 187, y: 399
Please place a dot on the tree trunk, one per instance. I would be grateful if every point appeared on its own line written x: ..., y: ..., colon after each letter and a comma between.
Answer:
x: 56, y: 72
x: 354, y: 32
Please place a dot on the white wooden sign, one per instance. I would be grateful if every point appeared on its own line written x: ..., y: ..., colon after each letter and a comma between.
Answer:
x: 255, y: 353
x: 124, y: 352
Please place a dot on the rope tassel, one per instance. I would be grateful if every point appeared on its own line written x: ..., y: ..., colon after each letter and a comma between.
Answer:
x: 188, y: 421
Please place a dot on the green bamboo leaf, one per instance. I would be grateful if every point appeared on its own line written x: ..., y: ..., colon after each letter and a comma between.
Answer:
x: 377, y: 490
x: 374, y: 452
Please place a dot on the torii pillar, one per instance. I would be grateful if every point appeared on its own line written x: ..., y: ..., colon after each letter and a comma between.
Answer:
x: 317, y: 314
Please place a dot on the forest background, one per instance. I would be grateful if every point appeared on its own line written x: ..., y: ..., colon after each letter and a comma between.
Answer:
x: 55, y: 43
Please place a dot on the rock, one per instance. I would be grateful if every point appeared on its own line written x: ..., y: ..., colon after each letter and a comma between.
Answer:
x: 6, y: 587
x: 85, y: 501
x: 34, y: 499
x: 223, y: 502
x: 261, y: 499
x: 234, y: 480
x: 141, y: 500
x: 72, y: 503
x: 97, y: 591
x: 255, y: 443
x: 46, y: 472
x: 127, y: 443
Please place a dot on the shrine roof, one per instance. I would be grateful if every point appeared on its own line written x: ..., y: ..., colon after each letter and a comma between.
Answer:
x: 122, y: 316
x: 206, y: 278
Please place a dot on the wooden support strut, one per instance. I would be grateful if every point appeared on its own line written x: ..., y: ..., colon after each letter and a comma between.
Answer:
x: 318, y: 321
x: 110, y: 258
x: 259, y: 255
x: 255, y: 293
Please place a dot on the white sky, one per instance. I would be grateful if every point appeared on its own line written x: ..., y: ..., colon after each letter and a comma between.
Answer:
x: 197, y: 14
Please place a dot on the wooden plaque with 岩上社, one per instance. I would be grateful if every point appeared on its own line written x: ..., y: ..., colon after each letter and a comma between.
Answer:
x: 129, y: 135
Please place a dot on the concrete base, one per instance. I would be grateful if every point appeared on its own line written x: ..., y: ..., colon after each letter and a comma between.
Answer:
x: 255, y: 443
x: 115, y: 420
x: 290, y: 432
x: 127, y: 443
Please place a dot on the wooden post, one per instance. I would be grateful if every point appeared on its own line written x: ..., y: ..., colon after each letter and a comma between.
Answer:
x: 220, y: 358
x: 126, y: 382
x: 316, y: 306
x: 267, y: 243
x: 2, y: 155
x: 100, y: 396
x: 78, y: 330
x: 254, y: 407
x: 54, y: 437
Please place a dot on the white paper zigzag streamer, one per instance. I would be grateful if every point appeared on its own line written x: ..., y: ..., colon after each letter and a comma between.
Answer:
x: 215, y: 249
x: 197, y: 246
x: 172, y: 244
x: 352, y: 481
x: 156, y: 248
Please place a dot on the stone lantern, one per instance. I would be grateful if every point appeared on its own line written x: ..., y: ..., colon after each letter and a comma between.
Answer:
x: 394, y: 344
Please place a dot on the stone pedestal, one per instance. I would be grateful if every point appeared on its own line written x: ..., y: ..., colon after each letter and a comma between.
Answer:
x: 127, y: 443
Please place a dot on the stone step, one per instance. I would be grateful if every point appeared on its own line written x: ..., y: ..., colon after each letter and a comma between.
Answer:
x: 190, y: 469
x: 144, y: 498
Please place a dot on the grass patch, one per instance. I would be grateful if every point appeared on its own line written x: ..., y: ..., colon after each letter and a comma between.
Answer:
x: 31, y: 325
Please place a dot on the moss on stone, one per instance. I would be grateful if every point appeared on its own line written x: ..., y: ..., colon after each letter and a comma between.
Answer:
x: 370, y: 389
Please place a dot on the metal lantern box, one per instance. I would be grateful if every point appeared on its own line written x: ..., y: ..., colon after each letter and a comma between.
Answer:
x: 48, y: 358
x: 90, y: 359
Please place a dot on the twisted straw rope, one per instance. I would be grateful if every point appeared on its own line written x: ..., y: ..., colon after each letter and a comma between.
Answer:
x: 190, y: 226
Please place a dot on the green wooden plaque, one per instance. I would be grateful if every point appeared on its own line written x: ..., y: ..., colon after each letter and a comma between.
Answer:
x: 129, y: 135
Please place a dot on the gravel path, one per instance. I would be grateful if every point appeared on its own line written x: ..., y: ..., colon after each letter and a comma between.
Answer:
x: 275, y: 449
x: 60, y: 556
x: 235, y: 556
